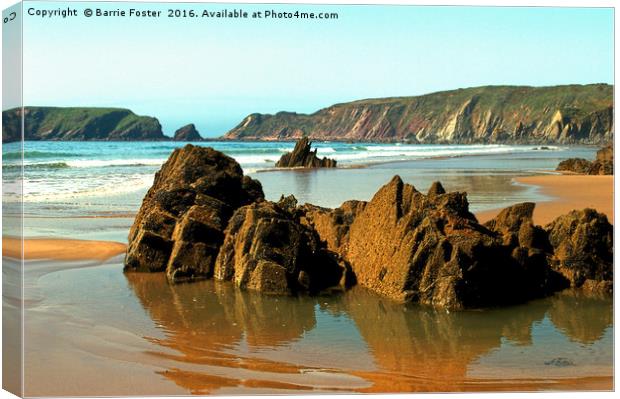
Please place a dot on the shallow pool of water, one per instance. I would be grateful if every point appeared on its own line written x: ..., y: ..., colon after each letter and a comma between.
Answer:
x: 92, y: 330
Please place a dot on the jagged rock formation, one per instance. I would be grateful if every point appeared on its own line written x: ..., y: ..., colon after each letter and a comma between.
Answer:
x: 583, y: 249
x: 79, y: 124
x: 180, y: 225
x: 333, y: 225
x: 187, y: 133
x: 303, y: 156
x: 203, y: 218
x: 269, y: 250
x: 604, y: 162
x: 602, y: 165
x: 489, y: 114
x: 430, y: 249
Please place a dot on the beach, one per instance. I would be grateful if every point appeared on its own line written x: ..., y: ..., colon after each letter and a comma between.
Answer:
x: 211, y: 338
x: 567, y: 192
x: 61, y: 249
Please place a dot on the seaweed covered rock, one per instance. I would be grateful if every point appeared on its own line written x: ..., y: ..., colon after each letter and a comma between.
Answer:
x: 303, y: 156
x: 179, y: 227
x: 267, y: 249
x: 582, y: 244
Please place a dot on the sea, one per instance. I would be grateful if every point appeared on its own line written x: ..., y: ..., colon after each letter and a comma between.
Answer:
x: 90, y: 329
x: 108, y: 177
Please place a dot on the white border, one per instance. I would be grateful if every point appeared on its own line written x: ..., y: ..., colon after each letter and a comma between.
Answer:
x: 534, y: 3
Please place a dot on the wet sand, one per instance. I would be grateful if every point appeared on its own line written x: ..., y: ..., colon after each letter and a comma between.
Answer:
x: 568, y: 192
x: 61, y: 249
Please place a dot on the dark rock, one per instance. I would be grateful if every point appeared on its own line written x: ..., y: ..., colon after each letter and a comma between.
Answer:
x: 430, y: 249
x: 333, y: 225
x: 288, y: 203
x: 203, y: 218
x: 582, y: 244
x: 148, y: 252
x: 197, y: 236
x: 605, y: 154
x: 601, y: 168
x: 516, y: 228
x: 560, y: 362
x: 187, y: 133
x: 180, y: 225
x: 436, y: 189
x: 267, y: 249
x: 529, y: 248
x: 602, y: 165
x: 575, y: 165
x: 303, y: 156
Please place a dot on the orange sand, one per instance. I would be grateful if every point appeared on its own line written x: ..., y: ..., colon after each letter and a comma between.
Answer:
x: 569, y: 192
x: 61, y: 249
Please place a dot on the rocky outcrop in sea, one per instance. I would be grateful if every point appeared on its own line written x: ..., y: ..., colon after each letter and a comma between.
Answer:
x: 203, y: 219
x: 180, y: 226
x: 187, y: 133
x: 302, y: 156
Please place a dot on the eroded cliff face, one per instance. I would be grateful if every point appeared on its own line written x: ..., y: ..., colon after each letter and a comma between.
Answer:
x: 490, y: 114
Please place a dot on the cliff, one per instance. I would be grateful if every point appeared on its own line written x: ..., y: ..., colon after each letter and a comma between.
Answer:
x: 76, y: 124
x: 489, y: 114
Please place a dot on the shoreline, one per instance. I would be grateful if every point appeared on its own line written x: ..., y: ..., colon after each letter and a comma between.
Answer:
x: 326, y: 140
x: 364, y: 165
x: 567, y: 192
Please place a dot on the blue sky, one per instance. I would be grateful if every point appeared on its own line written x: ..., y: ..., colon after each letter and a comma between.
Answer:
x: 213, y: 72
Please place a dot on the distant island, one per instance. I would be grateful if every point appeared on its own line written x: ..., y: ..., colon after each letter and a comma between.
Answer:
x: 578, y: 114
x: 570, y: 114
x: 80, y: 124
x: 87, y: 124
x: 187, y: 133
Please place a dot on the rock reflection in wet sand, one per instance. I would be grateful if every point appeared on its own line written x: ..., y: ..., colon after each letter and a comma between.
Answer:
x: 217, y: 335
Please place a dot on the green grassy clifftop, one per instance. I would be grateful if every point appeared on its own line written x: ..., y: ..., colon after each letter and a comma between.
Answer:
x: 489, y: 114
x: 75, y: 124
